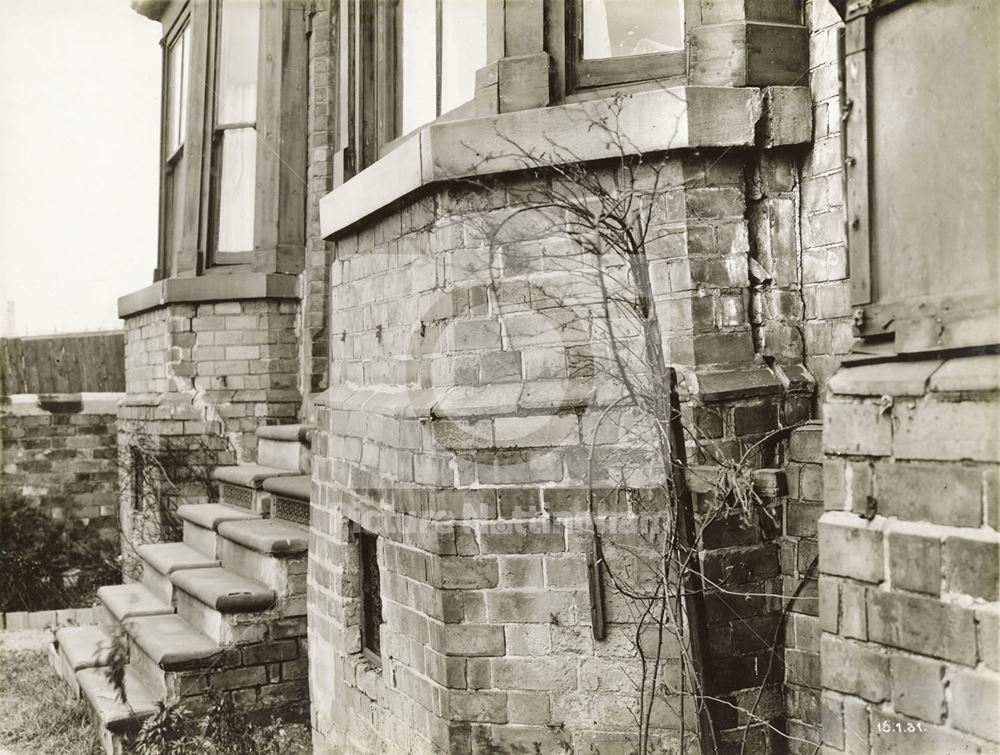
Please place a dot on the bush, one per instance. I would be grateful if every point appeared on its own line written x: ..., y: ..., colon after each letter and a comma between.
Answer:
x: 48, y: 563
x: 222, y: 730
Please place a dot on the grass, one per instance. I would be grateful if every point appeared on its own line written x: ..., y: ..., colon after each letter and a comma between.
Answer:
x: 37, y: 717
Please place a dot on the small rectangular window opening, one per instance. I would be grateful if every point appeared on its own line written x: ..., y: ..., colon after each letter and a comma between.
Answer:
x: 371, y: 596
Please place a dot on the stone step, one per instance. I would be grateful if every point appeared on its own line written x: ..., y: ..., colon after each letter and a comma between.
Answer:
x: 269, y: 551
x: 224, y: 590
x: 121, y: 602
x: 301, y: 433
x: 78, y: 648
x: 113, y: 718
x: 170, y: 643
x: 202, y: 519
x: 251, y: 475
x: 290, y: 498
x: 268, y: 536
x: 84, y: 647
x: 286, y: 575
x: 160, y: 560
x: 242, y: 485
x: 227, y: 629
x: 285, y: 447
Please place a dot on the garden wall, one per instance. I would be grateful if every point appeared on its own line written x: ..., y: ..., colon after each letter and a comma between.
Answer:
x: 58, y: 452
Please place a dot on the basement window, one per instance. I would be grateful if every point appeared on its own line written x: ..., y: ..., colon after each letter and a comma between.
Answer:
x: 371, y: 596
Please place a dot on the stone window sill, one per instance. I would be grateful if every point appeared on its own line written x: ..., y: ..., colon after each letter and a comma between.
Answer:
x: 674, y: 118
x: 234, y: 287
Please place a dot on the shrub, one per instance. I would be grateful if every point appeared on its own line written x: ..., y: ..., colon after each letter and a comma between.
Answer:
x: 48, y: 563
x: 222, y: 730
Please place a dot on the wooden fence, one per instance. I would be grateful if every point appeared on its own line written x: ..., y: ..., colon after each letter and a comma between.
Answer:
x: 70, y: 363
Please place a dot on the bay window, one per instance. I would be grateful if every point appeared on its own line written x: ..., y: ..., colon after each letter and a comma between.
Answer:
x: 233, y: 136
x: 234, y: 139
x: 175, y: 89
x: 418, y: 61
x: 405, y: 63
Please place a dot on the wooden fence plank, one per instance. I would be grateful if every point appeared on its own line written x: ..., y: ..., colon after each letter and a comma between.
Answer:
x: 85, y: 362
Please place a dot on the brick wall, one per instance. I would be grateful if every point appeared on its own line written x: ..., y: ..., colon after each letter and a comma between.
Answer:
x: 800, y: 569
x: 464, y: 425
x: 199, y: 380
x: 826, y: 329
x: 315, y: 283
x: 57, y: 451
x: 910, y: 558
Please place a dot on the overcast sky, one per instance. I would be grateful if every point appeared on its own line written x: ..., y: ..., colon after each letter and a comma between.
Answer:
x: 79, y: 102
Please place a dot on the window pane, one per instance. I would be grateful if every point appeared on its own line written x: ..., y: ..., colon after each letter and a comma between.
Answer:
x: 617, y: 28
x: 236, y: 190
x: 177, y: 75
x: 463, y: 50
x: 418, y: 63
x: 238, y: 45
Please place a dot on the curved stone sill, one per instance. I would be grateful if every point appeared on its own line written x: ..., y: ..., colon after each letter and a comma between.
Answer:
x: 652, y: 121
x: 234, y: 287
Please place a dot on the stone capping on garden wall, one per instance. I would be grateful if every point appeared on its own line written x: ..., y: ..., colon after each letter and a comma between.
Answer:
x: 63, y: 617
x: 673, y: 118
x: 41, y: 404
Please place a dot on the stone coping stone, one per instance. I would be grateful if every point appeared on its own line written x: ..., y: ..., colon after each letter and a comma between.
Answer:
x: 287, y: 433
x: 223, y: 590
x: 976, y: 374
x: 299, y: 487
x: 250, y: 475
x: 113, y: 714
x: 171, y: 642
x: 167, y: 558
x: 896, y: 378
x: 84, y: 647
x: 131, y: 601
x: 272, y: 537
x: 730, y: 384
x: 211, y: 515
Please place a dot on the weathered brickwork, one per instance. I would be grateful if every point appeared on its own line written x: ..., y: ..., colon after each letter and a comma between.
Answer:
x: 199, y: 380
x: 910, y: 558
x: 314, y: 280
x: 800, y: 571
x: 826, y: 330
x: 58, y: 452
x: 467, y: 415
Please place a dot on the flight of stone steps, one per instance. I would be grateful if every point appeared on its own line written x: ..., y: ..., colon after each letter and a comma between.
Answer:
x: 223, y: 611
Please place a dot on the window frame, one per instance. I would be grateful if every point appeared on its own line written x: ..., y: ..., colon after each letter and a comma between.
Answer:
x: 583, y: 74
x: 890, y: 326
x: 371, y: 644
x: 373, y: 63
x: 280, y: 169
x: 215, y: 137
x: 170, y: 163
